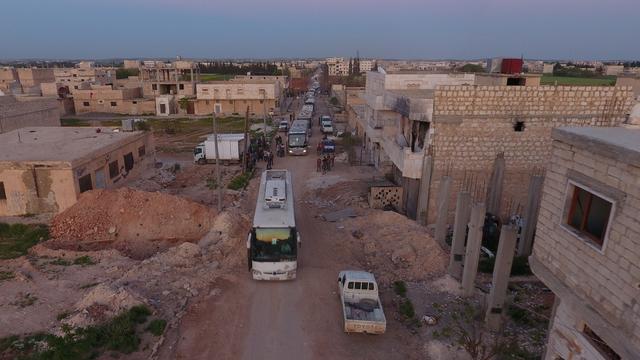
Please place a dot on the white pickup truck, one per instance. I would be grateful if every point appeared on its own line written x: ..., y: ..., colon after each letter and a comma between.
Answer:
x: 361, y: 307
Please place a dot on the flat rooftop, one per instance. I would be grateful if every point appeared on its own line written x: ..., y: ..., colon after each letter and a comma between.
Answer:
x: 620, y: 143
x: 58, y: 143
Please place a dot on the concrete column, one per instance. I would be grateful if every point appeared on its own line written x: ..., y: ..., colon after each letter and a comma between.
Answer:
x: 463, y: 214
x: 530, y: 215
x: 425, y: 185
x: 472, y: 252
x: 443, y: 210
x: 501, y: 275
x: 494, y: 190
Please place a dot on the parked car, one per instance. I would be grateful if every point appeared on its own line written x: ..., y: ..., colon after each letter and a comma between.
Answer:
x: 283, y: 126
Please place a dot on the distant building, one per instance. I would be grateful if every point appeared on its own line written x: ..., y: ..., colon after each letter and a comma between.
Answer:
x: 106, y: 99
x: 8, y: 79
x: 31, y: 78
x: 16, y: 113
x: 587, y: 244
x: 548, y: 68
x: 233, y: 97
x: 45, y: 169
x: 613, y: 69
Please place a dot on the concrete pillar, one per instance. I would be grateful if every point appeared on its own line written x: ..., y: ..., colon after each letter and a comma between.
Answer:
x: 463, y: 214
x: 425, y: 185
x: 443, y: 210
x: 472, y: 252
x: 494, y: 190
x: 501, y: 275
x: 530, y: 215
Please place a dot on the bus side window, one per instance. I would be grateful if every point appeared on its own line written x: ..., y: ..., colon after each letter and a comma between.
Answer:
x: 357, y: 286
x: 350, y: 286
x: 370, y: 286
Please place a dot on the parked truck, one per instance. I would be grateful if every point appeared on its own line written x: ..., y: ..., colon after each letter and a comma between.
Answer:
x: 231, y: 147
x: 361, y: 306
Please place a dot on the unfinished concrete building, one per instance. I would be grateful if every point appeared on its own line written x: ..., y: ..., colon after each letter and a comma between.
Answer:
x: 587, y: 245
x: 22, y: 112
x: 233, y: 97
x: 45, y: 169
x: 106, y: 99
x: 460, y: 129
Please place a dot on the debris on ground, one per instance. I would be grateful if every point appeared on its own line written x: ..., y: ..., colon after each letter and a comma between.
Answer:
x: 339, y: 215
x: 136, y: 223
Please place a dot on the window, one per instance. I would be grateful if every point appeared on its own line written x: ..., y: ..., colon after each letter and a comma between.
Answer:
x: 358, y: 286
x: 261, y: 101
x: 597, y: 342
x: 128, y: 161
x: 135, y: 102
x: 113, y: 169
x: 589, y: 215
x: 181, y: 86
x: 350, y: 286
x: 154, y: 87
x: 240, y: 91
x: 371, y: 286
x: 205, y: 90
x: 113, y: 103
x: 518, y: 126
x: 514, y: 81
x: 141, y: 151
x: 3, y: 193
x: 85, y: 183
x: 86, y: 103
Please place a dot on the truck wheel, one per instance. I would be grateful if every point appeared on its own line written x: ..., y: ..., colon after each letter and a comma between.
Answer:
x: 202, y: 161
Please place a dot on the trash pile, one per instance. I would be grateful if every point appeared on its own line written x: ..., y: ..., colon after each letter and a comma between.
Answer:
x: 136, y: 223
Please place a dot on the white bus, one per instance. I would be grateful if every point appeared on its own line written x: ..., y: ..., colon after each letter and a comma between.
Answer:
x: 298, y: 138
x: 273, y: 242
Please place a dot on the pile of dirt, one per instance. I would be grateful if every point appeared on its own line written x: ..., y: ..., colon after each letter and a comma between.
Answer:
x: 136, y: 223
x: 395, y: 247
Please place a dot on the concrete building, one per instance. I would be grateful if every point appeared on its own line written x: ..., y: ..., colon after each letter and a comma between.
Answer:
x: 613, y: 69
x: 508, y: 79
x: 109, y: 100
x: 31, y: 78
x: 74, y: 77
x: 366, y: 65
x: 461, y: 127
x: 587, y: 245
x: 233, y: 97
x: 547, y: 68
x: 45, y: 169
x: 22, y: 112
x: 8, y: 79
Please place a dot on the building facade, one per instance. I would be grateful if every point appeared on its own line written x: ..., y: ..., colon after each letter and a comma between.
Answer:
x: 35, y: 180
x: 106, y: 99
x: 587, y: 245
x: 233, y: 97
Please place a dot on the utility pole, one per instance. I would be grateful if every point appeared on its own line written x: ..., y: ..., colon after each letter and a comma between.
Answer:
x: 218, y: 174
x: 264, y: 118
x: 246, y: 141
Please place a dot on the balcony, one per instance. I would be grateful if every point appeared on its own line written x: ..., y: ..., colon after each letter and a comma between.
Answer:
x: 409, y: 162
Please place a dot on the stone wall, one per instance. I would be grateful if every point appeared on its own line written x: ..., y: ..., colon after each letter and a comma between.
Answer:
x: 606, y: 279
x: 471, y: 124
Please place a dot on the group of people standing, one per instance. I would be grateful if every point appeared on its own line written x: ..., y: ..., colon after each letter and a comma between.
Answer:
x: 324, y: 163
x: 259, y: 150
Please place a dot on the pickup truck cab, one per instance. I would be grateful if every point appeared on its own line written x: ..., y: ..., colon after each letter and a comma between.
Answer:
x: 283, y: 126
x: 361, y: 307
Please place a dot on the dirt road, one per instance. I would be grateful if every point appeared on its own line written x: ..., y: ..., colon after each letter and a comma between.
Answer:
x: 299, y: 319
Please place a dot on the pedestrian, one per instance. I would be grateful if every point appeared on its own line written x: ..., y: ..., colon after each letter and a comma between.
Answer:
x: 333, y: 160
x: 319, y: 148
x: 319, y: 165
x: 324, y: 164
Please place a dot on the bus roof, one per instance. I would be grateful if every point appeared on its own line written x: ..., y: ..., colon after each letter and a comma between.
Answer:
x: 274, y: 217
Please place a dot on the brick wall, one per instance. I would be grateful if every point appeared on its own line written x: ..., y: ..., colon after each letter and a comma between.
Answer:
x: 471, y: 124
x: 608, y: 279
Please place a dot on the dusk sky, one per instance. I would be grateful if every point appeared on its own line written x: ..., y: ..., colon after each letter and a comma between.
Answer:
x: 558, y: 29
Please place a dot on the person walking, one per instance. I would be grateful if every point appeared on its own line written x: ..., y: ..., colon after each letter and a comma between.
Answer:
x: 324, y: 165
x: 319, y: 164
x: 333, y: 160
x: 319, y: 148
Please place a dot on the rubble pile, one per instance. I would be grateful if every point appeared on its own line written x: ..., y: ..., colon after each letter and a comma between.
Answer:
x: 395, y: 247
x: 136, y: 223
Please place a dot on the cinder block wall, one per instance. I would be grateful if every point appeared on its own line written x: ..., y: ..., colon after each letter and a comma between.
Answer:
x: 607, y: 280
x: 471, y: 124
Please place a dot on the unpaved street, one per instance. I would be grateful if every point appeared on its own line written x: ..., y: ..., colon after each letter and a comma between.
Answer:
x: 300, y: 319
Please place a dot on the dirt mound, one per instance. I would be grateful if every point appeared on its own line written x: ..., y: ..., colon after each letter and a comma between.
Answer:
x: 137, y: 223
x: 395, y: 247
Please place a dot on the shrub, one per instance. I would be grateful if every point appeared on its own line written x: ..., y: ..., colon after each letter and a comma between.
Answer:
x: 241, y: 181
x: 17, y: 239
x: 157, y: 326
x: 84, y: 261
x: 406, y: 309
x: 400, y: 288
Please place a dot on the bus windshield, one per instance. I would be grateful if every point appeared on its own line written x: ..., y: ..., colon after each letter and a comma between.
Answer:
x: 274, y: 244
x: 297, y: 140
